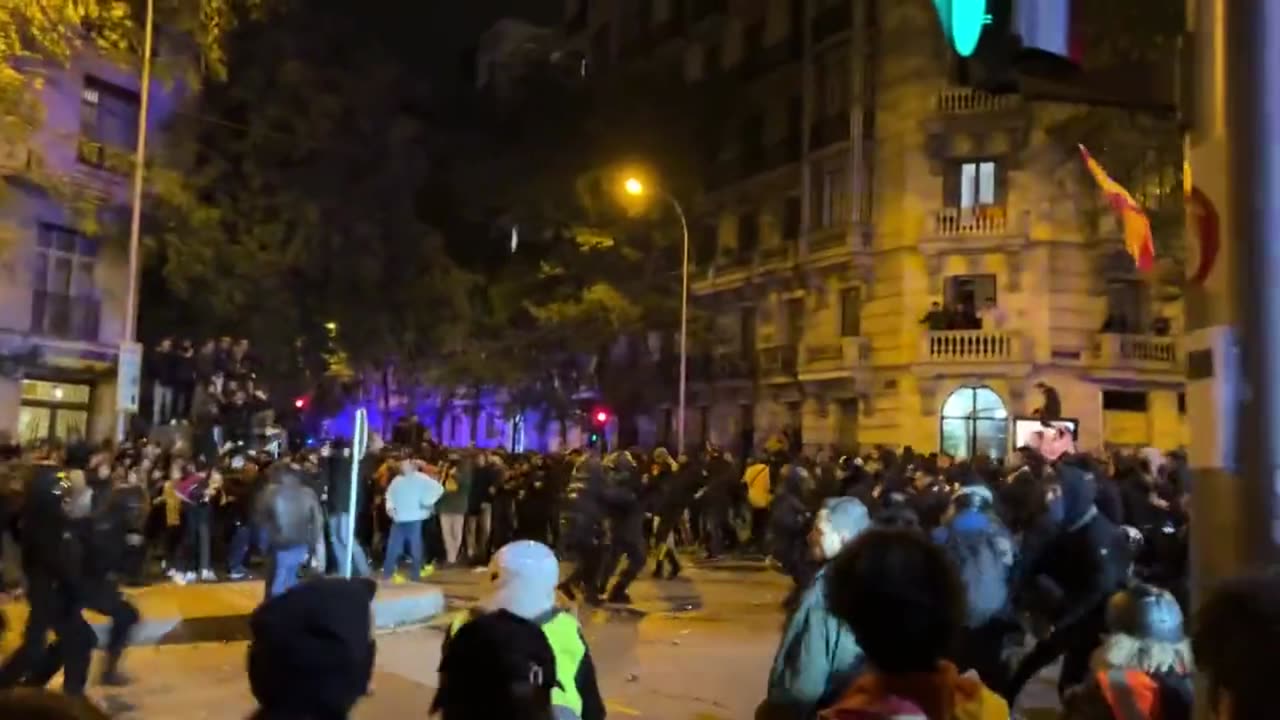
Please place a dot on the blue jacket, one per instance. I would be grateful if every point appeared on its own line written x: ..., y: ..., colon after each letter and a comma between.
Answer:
x: 816, y: 659
x: 413, y: 497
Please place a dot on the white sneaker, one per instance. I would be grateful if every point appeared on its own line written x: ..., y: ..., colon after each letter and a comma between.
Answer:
x: 208, y: 576
x: 480, y: 569
x: 182, y: 578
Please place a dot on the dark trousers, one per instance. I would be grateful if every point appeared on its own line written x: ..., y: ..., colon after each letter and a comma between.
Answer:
x: 52, y: 608
x: 759, y: 528
x: 664, y: 542
x: 582, y: 540
x: 1075, y: 643
x: 628, y: 543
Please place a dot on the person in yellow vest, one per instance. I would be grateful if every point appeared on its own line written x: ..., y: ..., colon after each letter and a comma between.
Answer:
x: 525, y: 573
x: 759, y: 487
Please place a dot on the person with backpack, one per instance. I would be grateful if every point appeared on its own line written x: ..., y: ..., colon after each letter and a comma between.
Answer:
x: 759, y: 496
x: 526, y: 576
x: 902, y: 598
x: 818, y: 656
x: 982, y: 551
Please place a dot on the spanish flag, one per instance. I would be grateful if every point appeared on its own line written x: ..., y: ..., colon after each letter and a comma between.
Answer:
x: 1137, y: 228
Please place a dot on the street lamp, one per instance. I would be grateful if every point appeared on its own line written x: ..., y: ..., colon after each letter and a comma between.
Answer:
x: 633, y: 186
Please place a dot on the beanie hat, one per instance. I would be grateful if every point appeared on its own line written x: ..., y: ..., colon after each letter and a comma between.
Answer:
x: 312, y: 651
x: 497, y: 665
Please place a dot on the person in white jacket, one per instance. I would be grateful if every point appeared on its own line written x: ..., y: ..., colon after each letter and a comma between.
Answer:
x: 411, y: 499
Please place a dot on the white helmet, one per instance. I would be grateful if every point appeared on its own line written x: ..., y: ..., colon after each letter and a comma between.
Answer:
x: 526, y: 574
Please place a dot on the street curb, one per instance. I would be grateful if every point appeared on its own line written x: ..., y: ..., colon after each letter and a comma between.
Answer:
x: 389, y: 613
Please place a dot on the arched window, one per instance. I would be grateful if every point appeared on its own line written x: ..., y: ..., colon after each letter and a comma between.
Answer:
x: 974, y: 422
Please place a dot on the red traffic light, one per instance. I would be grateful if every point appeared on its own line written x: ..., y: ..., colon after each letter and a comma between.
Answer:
x: 300, y: 403
x: 602, y: 417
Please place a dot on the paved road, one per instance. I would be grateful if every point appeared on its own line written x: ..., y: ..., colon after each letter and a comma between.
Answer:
x: 695, y: 648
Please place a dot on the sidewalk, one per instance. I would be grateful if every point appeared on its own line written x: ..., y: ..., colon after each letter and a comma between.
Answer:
x: 212, y: 612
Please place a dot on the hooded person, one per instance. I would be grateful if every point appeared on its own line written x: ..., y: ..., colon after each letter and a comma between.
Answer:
x: 313, y: 650
x: 1083, y: 559
x: 498, y: 665
x: 818, y: 655
x: 525, y: 575
x: 789, y: 525
x: 1144, y: 663
x: 982, y: 551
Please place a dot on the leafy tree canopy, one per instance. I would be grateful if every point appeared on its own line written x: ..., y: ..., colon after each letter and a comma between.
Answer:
x: 298, y: 195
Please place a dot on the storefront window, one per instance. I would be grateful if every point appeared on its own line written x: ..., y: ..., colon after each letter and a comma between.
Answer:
x: 974, y: 422
x: 53, y: 411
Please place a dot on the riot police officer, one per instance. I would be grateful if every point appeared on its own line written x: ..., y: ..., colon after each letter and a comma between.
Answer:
x: 585, y: 529
x: 51, y: 561
x: 626, y: 521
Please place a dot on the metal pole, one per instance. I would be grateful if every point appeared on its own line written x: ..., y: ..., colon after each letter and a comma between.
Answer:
x: 1233, y: 313
x: 359, y: 443
x: 1253, y: 164
x: 684, y: 327
x: 135, y: 221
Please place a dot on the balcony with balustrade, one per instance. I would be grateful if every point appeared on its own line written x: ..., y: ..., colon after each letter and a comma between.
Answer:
x: 965, y: 230
x: 834, y: 360
x: 967, y: 352
x: 966, y: 112
x: 1134, y: 354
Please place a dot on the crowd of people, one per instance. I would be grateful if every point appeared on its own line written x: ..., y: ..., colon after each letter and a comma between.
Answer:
x: 213, y: 387
x: 923, y: 583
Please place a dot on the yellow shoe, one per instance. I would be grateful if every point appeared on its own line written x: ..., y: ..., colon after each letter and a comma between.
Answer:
x: 398, y: 579
x: 428, y: 570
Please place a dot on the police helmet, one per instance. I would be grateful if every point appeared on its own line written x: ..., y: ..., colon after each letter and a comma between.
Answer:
x: 1147, y: 612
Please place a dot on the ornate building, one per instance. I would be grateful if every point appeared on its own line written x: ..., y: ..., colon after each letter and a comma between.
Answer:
x: 857, y: 183
x: 63, y: 292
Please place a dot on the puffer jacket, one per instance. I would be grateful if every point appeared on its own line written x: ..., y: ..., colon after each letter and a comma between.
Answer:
x: 1123, y: 694
x: 816, y: 660
x: 941, y: 695
x: 291, y: 514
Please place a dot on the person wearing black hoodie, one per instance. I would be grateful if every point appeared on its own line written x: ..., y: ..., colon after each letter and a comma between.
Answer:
x: 51, y: 562
x: 313, y: 650
x: 1083, y: 558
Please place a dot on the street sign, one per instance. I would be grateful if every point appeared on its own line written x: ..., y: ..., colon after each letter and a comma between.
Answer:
x: 129, y: 377
x: 359, y: 444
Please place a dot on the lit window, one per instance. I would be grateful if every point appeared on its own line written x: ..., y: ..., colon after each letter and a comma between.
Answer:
x: 977, y: 184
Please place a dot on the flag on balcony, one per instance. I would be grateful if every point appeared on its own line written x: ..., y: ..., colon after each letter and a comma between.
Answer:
x: 1137, y: 228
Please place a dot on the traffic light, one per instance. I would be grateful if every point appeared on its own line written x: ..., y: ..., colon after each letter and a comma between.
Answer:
x: 602, y: 417
x: 593, y: 439
x: 300, y: 403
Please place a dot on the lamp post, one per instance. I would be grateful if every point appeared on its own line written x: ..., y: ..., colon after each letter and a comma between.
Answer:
x: 633, y: 186
x: 135, y: 219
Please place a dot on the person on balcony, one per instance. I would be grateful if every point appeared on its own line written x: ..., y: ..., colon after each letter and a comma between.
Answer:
x: 936, y: 319
x: 963, y: 317
x: 991, y: 317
